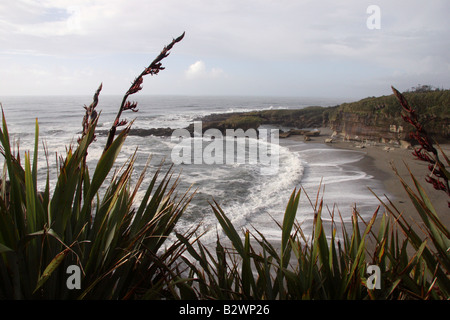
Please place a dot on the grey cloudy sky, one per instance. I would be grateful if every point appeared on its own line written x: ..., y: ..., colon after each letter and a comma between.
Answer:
x: 232, y: 47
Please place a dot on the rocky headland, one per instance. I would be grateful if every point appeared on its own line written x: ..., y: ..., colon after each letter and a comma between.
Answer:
x: 373, y: 119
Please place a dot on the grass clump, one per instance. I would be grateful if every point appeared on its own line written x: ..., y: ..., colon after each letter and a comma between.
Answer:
x: 114, y: 244
x: 323, y: 266
x: 86, y: 222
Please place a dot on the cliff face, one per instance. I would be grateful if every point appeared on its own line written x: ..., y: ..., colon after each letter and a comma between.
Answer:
x: 355, y: 126
x: 374, y: 118
x: 380, y: 118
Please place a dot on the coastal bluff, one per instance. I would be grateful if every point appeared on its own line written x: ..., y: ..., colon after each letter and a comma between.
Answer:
x: 374, y: 118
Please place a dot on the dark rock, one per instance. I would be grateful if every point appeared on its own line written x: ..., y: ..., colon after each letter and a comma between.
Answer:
x: 159, y: 132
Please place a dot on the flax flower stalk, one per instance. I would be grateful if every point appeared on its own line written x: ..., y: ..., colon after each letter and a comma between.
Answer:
x: 136, y: 86
x: 439, y: 175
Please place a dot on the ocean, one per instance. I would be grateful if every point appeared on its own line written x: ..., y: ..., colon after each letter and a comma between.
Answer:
x: 249, y: 198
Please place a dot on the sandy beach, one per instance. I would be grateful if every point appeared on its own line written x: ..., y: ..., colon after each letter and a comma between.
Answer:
x: 378, y: 162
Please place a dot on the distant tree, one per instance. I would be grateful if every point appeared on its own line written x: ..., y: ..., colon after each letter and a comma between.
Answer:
x: 424, y: 88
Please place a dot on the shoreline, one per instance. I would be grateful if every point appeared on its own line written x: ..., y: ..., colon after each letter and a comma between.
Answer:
x: 377, y: 162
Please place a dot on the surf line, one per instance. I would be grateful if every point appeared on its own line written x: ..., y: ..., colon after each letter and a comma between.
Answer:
x: 236, y: 147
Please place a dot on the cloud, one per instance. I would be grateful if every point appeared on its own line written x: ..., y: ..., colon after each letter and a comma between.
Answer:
x: 273, y: 45
x: 198, y: 70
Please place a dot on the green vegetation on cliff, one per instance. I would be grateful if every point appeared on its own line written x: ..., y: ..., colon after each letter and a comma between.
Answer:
x: 377, y: 114
x: 370, y: 117
x: 429, y: 104
x: 310, y: 117
x: 243, y: 122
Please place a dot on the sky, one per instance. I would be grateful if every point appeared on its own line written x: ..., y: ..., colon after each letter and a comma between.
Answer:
x: 298, y: 48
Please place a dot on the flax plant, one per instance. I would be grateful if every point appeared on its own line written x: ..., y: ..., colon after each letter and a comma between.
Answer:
x: 413, y: 262
x: 153, y: 69
x: 323, y: 266
x: 86, y: 222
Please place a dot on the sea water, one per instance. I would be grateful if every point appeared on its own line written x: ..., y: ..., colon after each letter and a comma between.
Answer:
x: 251, y: 200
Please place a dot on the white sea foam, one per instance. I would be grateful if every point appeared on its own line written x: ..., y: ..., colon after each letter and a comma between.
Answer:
x: 265, y: 199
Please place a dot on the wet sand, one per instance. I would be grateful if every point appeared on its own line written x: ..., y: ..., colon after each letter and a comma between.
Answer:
x: 378, y: 162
